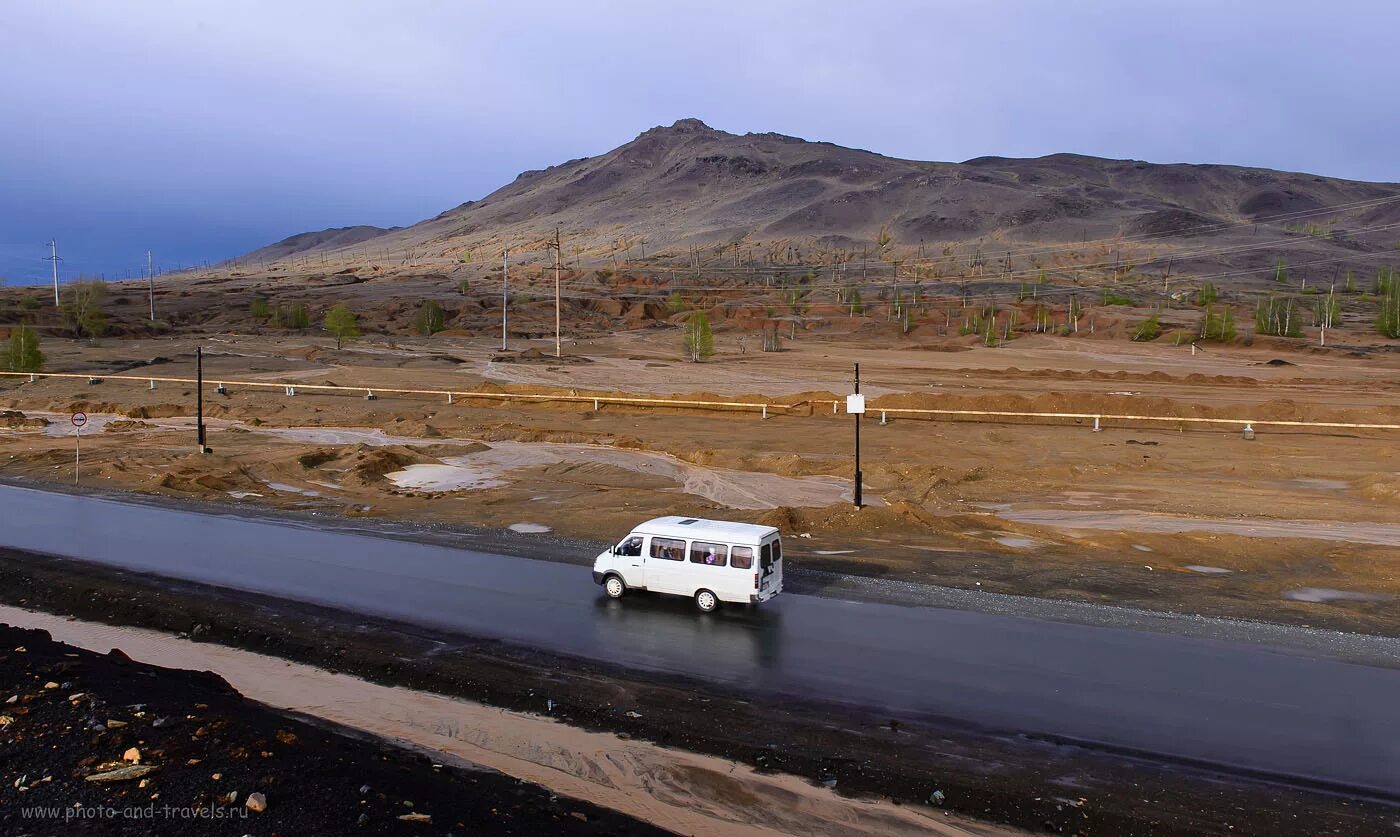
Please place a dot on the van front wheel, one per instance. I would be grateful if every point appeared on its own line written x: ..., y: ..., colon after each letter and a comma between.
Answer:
x: 706, y: 601
x: 614, y: 587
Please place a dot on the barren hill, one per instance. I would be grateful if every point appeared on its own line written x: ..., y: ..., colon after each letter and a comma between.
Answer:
x: 690, y: 191
x: 320, y: 241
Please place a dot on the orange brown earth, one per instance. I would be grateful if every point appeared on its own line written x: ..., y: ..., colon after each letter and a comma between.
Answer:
x: 1298, y: 525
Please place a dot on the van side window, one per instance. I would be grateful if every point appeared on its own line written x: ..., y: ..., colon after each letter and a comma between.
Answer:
x: 742, y: 557
x: 714, y: 554
x: 631, y: 547
x: 668, y: 549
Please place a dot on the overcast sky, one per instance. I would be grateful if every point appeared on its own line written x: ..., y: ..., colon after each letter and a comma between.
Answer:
x: 204, y: 130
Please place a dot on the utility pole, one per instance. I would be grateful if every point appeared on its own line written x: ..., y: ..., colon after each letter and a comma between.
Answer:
x: 53, y: 257
x: 558, y: 342
x: 505, y: 294
x: 856, y: 493
x: 151, y: 284
x: 199, y: 398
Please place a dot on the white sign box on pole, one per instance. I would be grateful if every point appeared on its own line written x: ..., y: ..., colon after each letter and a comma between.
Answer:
x: 855, y: 403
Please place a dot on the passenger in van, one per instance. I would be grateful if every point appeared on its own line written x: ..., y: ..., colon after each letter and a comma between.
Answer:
x: 710, y: 556
x: 632, y: 547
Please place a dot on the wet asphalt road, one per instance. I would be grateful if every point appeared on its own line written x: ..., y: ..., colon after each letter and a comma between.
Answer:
x: 1244, y: 706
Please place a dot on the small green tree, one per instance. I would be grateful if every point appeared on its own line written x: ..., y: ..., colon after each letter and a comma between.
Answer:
x: 1281, y: 270
x: 1218, y: 325
x: 1277, y: 318
x: 464, y: 287
x: 430, y: 319
x: 1388, y: 318
x: 699, y: 340
x: 259, y: 308
x: 343, y: 323
x: 1147, y: 330
x: 1207, y: 294
x: 675, y: 303
x: 853, y: 299
x: 84, y: 310
x: 22, y: 354
x: 794, y: 301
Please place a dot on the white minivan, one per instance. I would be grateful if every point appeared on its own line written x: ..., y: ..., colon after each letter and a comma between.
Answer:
x: 711, y: 561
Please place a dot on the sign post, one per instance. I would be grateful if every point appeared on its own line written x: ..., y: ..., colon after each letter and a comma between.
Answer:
x: 855, y: 405
x: 79, y: 419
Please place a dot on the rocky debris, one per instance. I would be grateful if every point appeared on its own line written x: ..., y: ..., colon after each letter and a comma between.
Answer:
x: 122, y: 774
x: 102, y: 734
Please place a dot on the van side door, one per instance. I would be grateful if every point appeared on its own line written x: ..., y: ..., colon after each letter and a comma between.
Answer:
x: 666, y: 567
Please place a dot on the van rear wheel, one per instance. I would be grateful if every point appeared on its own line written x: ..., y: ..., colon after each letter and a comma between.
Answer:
x: 706, y: 601
x: 614, y: 587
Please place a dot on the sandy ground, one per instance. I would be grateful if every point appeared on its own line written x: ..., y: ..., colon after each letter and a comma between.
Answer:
x: 683, y: 792
x: 1165, y: 516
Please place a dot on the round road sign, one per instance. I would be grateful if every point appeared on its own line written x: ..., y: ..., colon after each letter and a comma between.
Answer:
x: 79, y: 419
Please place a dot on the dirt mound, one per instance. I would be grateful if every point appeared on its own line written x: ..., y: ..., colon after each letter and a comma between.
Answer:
x: 152, y: 411
x: 122, y: 425
x: 214, y: 477
x: 362, y: 464
x: 843, y: 517
x: 15, y: 420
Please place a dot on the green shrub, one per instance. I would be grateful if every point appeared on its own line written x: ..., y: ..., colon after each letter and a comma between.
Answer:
x: 1218, y: 325
x: 1147, y: 330
x: 22, y: 354
x: 429, y: 320
x: 1388, y: 318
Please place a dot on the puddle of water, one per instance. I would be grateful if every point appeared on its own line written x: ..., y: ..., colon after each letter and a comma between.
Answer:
x: 833, y: 551
x: 1142, y: 547
x: 1379, y: 534
x: 293, y: 489
x: 1319, y: 484
x: 239, y: 495
x: 685, y: 792
x: 1326, y: 594
x: 529, y: 528
x: 439, y: 477
x: 1205, y: 570
x: 1017, y: 542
